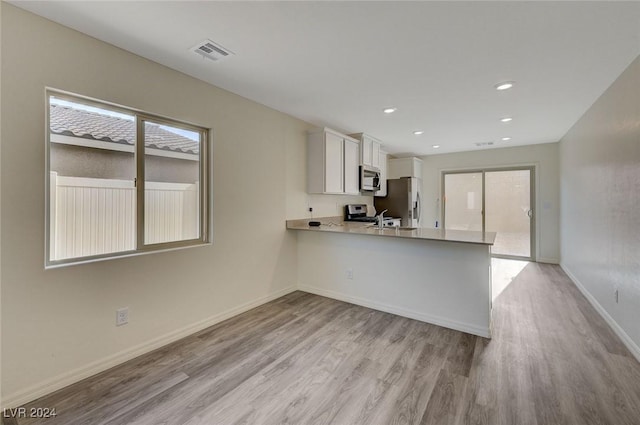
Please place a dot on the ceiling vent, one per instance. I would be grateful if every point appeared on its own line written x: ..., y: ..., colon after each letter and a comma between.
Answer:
x: 209, y: 49
x: 481, y: 144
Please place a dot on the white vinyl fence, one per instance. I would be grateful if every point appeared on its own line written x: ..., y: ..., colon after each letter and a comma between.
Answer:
x: 92, y: 216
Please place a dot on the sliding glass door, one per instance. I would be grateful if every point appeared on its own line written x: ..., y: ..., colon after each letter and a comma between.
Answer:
x: 496, y: 200
x: 463, y: 201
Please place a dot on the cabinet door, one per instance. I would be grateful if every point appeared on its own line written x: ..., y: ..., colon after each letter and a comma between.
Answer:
x: 365, y: 150
x: 375, y: 154
x: 383, y: 176
x: 334, y: 171
x: 351, y: 168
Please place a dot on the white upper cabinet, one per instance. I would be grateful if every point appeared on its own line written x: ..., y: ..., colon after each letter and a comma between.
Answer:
x: 404, y: 167
x: 369, y: 150
x: 375, y: 155
x: 351, y: 167
x: 365, y: 151
x: 332, y: 163
x: 383, y: 176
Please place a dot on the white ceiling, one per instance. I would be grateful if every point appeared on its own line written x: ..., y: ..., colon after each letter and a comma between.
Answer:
x: 340, y: 63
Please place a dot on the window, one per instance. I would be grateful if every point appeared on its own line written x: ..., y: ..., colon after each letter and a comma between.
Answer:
x: 121, y: 182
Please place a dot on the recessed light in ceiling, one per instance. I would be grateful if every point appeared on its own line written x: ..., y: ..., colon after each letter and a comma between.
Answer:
x: 436, y: 146
x: 506, y: 119
x: 505, y: 85
x: 506, y: 139
x: 389, y: 110
x: 418, y: 132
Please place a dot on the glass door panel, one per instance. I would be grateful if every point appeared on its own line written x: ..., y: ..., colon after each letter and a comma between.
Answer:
x: 463, y: 201
x: 508, y: 211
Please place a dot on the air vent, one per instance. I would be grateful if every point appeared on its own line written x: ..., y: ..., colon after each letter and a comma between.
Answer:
x: 209, y: 49
x: 481, y: 144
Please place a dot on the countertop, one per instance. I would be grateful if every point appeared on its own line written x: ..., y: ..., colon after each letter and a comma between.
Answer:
x: 338, y: 225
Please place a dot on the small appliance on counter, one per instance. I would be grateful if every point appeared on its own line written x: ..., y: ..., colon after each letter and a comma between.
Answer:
x: 358, y: 212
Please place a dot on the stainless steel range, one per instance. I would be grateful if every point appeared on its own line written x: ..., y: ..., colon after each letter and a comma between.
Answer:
x: 358, y: 212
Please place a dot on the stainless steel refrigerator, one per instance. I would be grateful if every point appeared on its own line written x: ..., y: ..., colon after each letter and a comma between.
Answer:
x: 402, y: 200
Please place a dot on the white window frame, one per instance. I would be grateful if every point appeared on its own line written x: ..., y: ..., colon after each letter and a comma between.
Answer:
x: 205, y: 174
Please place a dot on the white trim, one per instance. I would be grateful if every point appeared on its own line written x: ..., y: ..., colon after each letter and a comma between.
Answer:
x: 119, y: 147
x: 436, y: 320
x: 118, y: 184
x: 626, y: 339
x: 548, y: 260
x: 53, y: 384
x: 169, y: 186
x: 94, y: 182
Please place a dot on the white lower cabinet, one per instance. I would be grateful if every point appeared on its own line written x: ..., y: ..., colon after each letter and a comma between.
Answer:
x: 332, y: 163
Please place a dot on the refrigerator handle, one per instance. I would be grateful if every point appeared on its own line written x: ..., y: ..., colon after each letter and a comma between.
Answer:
x: 418, y: 207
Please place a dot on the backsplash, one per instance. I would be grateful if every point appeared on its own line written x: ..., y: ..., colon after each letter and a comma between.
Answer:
x: 332, y: 205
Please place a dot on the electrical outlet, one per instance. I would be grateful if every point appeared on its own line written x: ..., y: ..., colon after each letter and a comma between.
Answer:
x: 350, y: 274
x: 616, y: 296
x: 122, y: 316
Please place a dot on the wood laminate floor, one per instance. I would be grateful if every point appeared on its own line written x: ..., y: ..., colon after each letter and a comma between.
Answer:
x: 307, y: 360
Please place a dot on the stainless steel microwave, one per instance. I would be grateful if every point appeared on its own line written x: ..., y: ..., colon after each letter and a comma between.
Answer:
x: 369, y: 179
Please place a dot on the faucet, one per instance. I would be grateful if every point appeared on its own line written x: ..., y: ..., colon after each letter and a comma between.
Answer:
x: 381, y: 220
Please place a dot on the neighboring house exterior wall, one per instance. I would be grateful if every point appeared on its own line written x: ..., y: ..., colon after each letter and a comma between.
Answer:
x: 77, y: 161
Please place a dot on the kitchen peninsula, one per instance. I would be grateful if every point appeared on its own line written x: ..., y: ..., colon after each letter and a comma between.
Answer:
x: 436, y: 276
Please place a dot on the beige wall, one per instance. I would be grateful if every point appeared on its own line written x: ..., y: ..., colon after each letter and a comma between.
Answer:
x: 1, y: 402
x: 59, y: 325
x: 600, y: 175
x: 545, y: 159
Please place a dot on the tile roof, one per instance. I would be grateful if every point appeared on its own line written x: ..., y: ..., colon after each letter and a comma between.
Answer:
x: 73, y: 122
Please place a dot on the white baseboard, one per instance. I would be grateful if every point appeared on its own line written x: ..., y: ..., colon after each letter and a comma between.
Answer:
x: 626, y: 339
x: 58, y: 382
x: 547, y: 260
x: 435, y: 320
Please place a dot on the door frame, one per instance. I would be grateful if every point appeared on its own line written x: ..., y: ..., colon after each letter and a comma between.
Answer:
x: 532, y: 200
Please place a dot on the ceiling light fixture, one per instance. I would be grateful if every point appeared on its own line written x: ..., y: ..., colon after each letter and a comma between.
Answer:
x: 389, y: 110
x: 506, y: 139
x: 435, y: 146
x: 506, y: 119
x: 504, y: 86
x: 418, y: 132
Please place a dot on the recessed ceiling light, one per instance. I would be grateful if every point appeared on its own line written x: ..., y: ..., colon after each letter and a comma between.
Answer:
x: 389, y: 110
x: 418, y: 132
x: 505, y: 85
x: 506, y: 119
x: 435, y: 146
x: 506, y: 139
